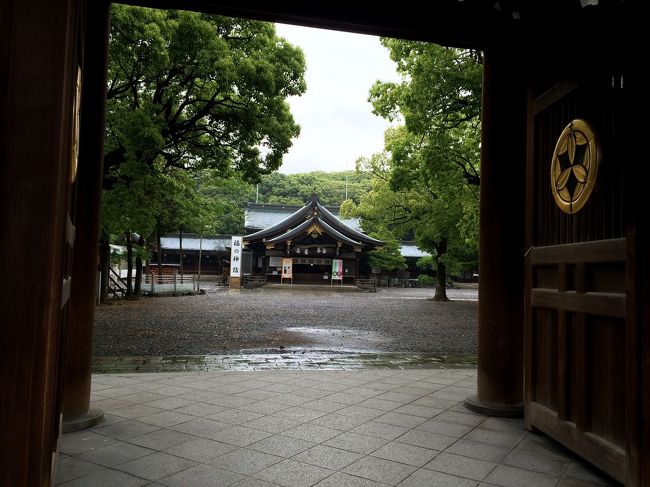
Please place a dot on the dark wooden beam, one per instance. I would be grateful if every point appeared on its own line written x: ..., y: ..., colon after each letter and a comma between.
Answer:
x: 462, y: 24
x: 468, y: 24
x: 605, y: 304
x: 613, y: 250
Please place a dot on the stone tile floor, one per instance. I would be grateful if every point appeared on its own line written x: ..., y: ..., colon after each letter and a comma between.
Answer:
x: 297, y: 428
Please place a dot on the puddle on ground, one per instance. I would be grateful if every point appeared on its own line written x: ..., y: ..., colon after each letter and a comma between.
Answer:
x: 312, y: 360
x: 305, y: 339
x: 338, y: 339
x: 307, y: 351
x: 332, y: 332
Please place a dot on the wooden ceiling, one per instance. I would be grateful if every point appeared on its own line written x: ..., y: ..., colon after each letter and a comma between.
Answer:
x: 463, y: 23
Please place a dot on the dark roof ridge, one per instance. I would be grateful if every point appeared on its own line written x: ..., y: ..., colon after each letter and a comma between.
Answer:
x: 306, y: 224
x: 336, y: 223
x: 292, y: 231
x: 313, y: 211
x: 291, y: 219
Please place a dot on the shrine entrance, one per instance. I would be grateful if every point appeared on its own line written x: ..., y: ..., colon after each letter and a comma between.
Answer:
x: 587, y: 298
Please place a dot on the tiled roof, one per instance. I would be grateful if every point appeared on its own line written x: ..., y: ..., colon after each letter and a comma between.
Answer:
x: 222, y: 242
x: 296, y: 224
x: 193, y: 242
x: 410, y: 249
x: 260, y: 215
x: 322, y: 224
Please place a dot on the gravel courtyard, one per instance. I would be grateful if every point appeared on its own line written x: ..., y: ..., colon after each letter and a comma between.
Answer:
x: 272, y: 320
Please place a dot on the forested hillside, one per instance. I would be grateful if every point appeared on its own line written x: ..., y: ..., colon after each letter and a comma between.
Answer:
x: 227, y: 198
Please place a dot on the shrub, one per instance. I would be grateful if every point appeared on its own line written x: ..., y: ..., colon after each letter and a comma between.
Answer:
x: 425, y: 280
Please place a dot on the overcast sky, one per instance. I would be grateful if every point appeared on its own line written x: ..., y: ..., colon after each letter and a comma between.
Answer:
x: 337, y: 125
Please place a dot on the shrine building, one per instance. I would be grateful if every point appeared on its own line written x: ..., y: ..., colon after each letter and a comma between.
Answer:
x: 311, y: 237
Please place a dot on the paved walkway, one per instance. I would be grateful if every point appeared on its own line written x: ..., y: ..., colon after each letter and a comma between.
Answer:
x: 298, y: 428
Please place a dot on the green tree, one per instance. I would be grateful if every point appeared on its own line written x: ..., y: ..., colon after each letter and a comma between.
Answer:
x: 389, y: 257
x: 382, y: 208
x: 439, y: 99
x: 189, y: 92
x: 226, y: 199
x: 181, y: 207
x: 432, y: 161
x: 331, y: 187
x: 440, y: 197
x: 381, y: 213
x: 123, y: 214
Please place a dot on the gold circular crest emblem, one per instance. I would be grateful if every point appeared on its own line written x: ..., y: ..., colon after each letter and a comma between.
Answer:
x: 574, y: 166
x: 76, y: 118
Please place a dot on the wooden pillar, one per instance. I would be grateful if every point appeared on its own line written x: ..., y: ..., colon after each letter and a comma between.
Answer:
x: 78, y: 359
x: 501, y: 247
x: 38, y: 67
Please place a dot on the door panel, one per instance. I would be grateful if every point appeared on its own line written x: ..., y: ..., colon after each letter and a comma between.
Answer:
x: 576, y: 293
x: 575, y: 387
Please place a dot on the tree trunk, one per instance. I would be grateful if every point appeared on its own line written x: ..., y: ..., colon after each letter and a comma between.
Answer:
x: 159, y: 249
x: 138, y: 267
x: 104, y: 266
x: 129, y: 265
x: 180, y: 246
x: 441, y: 272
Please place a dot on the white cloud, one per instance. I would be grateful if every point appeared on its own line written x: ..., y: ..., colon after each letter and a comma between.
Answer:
x: 337, y: 124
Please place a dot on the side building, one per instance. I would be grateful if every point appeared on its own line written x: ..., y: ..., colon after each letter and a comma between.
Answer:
x: 210, y: 253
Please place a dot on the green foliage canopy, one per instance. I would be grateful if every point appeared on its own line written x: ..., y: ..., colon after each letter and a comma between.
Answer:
x: 188, y: 90
x: 191, y: 96
x: 426, y: 183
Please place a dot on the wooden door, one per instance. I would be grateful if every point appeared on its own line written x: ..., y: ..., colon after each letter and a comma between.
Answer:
x: 578, y: 338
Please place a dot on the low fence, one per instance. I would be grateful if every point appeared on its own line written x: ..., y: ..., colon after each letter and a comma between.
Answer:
x: 369, y: 285
x: 170, y: 283
x: 250, y: 282
x: 397, y: 282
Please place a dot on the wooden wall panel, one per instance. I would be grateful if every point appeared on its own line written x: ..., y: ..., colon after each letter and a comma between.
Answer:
x: 545, y: 330
x: 546, y: 277
x: 577, y: 350
x: 606, y: 277
x: 571, y: 371
x: 606, y: 367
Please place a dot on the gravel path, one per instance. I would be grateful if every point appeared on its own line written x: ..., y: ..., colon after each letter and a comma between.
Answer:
x: 252, y: 321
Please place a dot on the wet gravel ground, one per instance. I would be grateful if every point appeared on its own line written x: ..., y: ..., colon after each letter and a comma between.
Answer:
x: 271, y: 320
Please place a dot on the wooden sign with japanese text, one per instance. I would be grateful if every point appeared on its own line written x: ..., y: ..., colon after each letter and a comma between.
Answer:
x: 235, y: 256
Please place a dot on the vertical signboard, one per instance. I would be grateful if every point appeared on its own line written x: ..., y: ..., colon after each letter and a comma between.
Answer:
x: 235, y: 257
x: 337, y: 270
x: 287, y: 271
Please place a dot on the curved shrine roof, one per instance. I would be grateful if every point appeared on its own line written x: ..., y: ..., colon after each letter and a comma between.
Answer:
x: 313, y: 214
x: 306, y: 225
